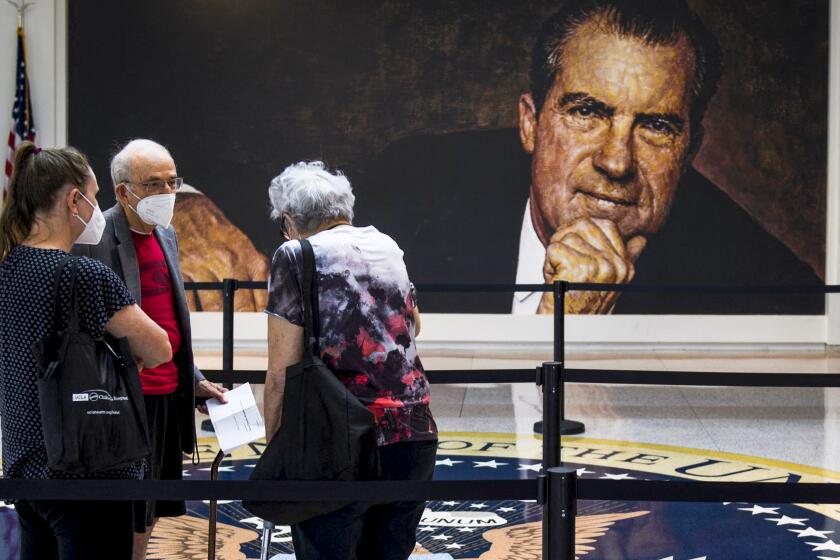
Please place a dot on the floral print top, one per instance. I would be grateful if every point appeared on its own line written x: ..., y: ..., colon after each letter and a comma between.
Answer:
x: 365, y: 305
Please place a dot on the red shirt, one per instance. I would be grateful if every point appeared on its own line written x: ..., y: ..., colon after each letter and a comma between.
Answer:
x: 156, y: 299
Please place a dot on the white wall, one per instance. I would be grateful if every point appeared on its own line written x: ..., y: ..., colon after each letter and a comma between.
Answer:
x: 45, y: 23
x: 514, y: 335
x: 46, y: 27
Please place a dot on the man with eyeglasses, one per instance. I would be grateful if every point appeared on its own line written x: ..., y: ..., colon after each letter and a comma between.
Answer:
x: 139, y: 244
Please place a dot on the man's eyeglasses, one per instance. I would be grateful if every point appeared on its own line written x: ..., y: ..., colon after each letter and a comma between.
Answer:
x: 174, y: 183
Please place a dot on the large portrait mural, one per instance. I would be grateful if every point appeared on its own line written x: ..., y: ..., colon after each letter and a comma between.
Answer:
x: 649, y: 142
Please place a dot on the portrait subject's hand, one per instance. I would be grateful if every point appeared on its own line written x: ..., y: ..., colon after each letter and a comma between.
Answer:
x: 589, y: 250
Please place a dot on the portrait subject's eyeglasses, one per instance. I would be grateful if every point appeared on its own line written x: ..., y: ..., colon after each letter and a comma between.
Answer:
x: 174, y: 183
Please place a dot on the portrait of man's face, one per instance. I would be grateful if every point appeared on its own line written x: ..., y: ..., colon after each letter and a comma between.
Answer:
x: 613, y: 135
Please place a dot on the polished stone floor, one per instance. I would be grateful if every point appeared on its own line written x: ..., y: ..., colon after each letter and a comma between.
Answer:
x: 798, y: 425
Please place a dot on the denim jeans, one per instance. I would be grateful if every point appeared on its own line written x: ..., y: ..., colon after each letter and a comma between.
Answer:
x: 377, y: 532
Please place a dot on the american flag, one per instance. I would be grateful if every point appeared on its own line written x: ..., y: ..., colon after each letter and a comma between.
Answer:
x: 23, y: 123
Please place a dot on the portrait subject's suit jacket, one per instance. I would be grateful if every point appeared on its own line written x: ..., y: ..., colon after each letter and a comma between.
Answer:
x: 460, y: 198
x: 116, y: 250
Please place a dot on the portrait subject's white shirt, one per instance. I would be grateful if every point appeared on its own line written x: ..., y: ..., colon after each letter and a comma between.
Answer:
x: 529, y: 267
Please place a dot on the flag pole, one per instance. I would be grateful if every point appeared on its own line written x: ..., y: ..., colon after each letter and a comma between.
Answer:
x: 21, y: 8
x: 21, y: 114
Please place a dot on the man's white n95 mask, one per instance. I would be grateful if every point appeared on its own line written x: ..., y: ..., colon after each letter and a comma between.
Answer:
x: 156, y: 210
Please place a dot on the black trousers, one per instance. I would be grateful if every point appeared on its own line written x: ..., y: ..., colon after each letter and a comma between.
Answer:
x: 166, y: 462
x: 75, y: 530
x: 378, y: 532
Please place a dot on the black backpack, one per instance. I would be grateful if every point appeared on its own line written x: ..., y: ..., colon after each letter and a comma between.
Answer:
x: 325, y: 432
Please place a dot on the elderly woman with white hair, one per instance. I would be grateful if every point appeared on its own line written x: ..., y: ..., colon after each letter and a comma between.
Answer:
x: 368, y: 321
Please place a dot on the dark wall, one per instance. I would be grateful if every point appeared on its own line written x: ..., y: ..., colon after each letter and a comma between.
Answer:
x: 238, y: 90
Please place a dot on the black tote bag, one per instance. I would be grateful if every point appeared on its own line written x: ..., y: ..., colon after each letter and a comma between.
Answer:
x: 325, y: 432
x: 92, y: 413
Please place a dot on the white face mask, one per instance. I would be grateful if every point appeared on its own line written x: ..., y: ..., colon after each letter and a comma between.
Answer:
x: 94, y: 228
x: 155, y: 210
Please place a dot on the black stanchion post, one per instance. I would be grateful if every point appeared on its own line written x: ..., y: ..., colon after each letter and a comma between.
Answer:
x: 552, y: 408
x: 559, y: 320
x: 228, y: 295
x: 229, y: 288
x: 559, y: 514
x: 549, y: 378
x: 567, y: 427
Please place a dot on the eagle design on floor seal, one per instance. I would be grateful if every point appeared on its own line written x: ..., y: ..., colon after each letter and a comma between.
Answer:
x: 185, y: 537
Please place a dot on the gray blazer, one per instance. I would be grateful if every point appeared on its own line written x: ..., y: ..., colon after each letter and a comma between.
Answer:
x: 116, y: 250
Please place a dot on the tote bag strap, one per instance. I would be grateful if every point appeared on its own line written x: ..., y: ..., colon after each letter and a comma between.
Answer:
x: 73, y: 319
x: 311, y: 320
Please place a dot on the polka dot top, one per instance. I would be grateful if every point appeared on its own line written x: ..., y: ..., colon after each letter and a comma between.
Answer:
x: 26, y: 304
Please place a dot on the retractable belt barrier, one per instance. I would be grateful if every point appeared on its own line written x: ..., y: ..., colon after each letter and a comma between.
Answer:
x: 267, y: 490
x: 588, y: 376
x: 571, y: 286
x: 416, y: 490
x: 557, y: 488
x: 439, y: 376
